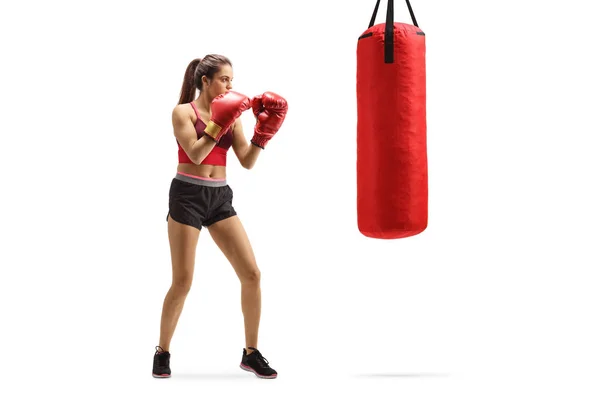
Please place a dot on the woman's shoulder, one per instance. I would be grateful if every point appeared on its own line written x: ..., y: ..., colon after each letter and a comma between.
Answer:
x: 183, y: 114
x: 184, y: 111
x: 184, y: 108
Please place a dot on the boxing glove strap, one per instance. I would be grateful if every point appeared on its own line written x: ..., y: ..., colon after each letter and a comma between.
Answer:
x: 212, y: 129
x: 256, y: 144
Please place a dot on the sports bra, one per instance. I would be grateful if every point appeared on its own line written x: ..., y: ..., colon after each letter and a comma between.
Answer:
x: 218, y: 155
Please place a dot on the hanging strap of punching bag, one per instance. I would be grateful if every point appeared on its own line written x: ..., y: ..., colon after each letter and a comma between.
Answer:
x: 389, y: 28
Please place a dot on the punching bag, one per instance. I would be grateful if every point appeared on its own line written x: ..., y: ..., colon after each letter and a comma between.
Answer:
x: 392, y: 180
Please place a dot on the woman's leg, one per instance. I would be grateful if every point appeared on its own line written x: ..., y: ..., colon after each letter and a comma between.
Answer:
x: 183, y: 240
x: 230, y: 236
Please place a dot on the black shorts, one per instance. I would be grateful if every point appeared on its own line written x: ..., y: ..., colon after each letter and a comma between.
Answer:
x: 198, y: 202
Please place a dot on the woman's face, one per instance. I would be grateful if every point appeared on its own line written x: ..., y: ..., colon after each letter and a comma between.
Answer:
x: 221, y: 81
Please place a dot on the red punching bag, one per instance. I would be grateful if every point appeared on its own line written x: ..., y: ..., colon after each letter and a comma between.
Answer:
x: 392, y: 180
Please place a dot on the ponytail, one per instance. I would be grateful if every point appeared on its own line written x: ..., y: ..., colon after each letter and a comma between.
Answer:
x: 188, y: 88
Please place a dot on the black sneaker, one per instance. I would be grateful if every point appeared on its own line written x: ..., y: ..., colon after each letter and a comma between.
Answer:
x: 255, y: 362
x: 161, y: 367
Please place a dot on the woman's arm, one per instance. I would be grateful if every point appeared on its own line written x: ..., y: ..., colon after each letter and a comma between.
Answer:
x: 247, y: 153
x: 185, y: 132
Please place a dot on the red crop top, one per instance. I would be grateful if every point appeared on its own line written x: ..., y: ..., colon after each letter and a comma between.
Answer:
x: 218, y: 155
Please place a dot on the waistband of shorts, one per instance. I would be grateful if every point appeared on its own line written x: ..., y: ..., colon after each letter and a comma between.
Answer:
x: 200, y: 180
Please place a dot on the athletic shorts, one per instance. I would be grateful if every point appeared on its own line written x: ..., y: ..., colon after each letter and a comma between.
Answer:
x: 198, y: 201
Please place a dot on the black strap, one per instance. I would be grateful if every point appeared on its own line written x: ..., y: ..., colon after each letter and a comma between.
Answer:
x: 389, y: 28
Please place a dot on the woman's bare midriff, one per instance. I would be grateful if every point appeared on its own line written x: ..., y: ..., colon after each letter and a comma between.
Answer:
x: 204, y: 171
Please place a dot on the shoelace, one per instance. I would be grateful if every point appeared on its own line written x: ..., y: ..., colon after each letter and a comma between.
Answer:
x: 262, y: 361
x: 161, y: 360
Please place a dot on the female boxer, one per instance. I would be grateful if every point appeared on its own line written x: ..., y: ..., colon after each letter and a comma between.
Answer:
x: 205, y: 127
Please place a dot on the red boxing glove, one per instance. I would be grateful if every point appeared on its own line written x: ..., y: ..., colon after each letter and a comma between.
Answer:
x: 224, y: 110
x: 270, y: 110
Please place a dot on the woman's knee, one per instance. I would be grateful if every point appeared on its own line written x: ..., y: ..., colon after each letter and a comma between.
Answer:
x: 251, y: 276
x: 181, y: 285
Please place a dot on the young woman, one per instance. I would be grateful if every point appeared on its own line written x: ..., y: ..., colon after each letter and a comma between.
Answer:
x: 205, y: 127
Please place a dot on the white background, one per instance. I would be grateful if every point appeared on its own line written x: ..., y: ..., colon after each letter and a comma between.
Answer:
x: 497, y: 299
